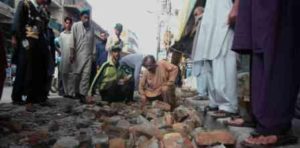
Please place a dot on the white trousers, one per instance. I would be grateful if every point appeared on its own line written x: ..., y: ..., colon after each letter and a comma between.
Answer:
x: 203, y: 77
x: 223, y: 75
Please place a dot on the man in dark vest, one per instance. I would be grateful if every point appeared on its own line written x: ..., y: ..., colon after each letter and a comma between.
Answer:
x: 30, y: 24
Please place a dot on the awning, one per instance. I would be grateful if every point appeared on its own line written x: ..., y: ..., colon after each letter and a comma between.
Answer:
x: 184, y: 17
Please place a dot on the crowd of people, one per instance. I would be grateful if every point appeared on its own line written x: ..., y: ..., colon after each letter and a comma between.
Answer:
x: 267, y: 31
x: 87, y: 67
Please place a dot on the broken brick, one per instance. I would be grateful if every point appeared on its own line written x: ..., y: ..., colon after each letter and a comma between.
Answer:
x: 213, y: 137
x: 161, y: 105
x: 117, y: 143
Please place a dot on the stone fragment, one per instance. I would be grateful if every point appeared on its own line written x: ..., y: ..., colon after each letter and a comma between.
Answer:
x: 163, y: 122
x: 124, y: 124
x: 85, y: 139
x: 53, y: 126
x: 213, y: 137
x: 82, y: 122
x: 141, y: 140
x: 161, y: 105
x: 66, y: 142
x: 152, y: 143
x: 100, y: 140
x: 153, y: 113
x: 88, y: 114
x: 147, y: 130
x: 113, y: 120
x: 181, y: 128
x: 115, y: 132
x: 173, y: 140
x: 38, y: 137
x: 117, y: 143
x: 187, y: 115
x: 181, y: 113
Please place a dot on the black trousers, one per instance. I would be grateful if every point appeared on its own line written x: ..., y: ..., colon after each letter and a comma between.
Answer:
x: 36, y: 74
x: 118, y: 93
x: 21, y: 63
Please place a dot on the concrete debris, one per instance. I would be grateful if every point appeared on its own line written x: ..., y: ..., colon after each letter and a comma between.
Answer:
x: 161, y: 105
x: 152, y: 143
x: 66, y: 142
x: 117, y: 143
x: 115, y: 125
x: 100, y: 140
x: 214, y: 137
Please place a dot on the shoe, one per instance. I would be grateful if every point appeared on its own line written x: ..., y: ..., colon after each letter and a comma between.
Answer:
x: 281, y: 141
x: 29, y: 108
x: 70, y: 97
x: 222, y: 114
x: 208, y: 109
x: 81, y: 98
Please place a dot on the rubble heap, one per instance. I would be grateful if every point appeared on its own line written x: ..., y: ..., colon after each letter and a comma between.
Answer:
x: 115, y: 125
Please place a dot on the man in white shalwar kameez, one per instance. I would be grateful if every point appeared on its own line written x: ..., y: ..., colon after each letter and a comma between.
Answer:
x: 65, y: 65
x: 197, y: 70
x: 83, y: 51
x: 213, y: 48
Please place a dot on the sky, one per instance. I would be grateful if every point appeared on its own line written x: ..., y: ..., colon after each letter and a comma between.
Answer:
x: 137, y: 15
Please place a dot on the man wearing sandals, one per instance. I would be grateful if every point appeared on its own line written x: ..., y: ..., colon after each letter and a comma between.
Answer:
x: 267, y: 30
x: 214, y: 45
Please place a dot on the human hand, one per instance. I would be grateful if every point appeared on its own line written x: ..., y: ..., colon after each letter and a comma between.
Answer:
x: 14, y: 42
x: 232, y: 16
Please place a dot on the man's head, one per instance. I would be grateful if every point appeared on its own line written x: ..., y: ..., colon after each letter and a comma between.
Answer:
x: 103, y: 36
x: 47, y: 2
x: 115, y: 53
x: 198, y: 11
x: 118, y: 29
x: 149, y: 63
x: 85, y: 17
x: 68, y: 23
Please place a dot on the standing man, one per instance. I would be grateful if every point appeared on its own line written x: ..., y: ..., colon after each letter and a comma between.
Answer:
x: 83, y: 51
x: 3, y: 64
x: 31, y: 24
x: 101, y: 53
x: 18, y: 59
x: 115, y: 39
x: 269, y: 31
x: 49, y: 36
x: 197, y: 70
x: 158, y: 81
x: 65, y: 67
x: 214, y: 47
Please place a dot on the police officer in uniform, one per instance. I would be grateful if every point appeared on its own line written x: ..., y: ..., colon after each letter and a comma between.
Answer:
x: 31, y: 23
